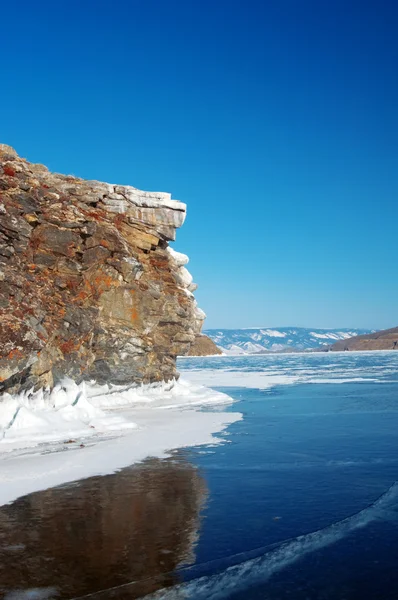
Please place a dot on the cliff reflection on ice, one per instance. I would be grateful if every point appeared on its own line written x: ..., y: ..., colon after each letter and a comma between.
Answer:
x: 137, y: 525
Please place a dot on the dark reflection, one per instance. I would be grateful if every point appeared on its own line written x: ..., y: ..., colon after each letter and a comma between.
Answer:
x: 103, y: 532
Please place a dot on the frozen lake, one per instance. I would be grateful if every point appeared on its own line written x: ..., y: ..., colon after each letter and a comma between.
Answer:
x: 299, y: 502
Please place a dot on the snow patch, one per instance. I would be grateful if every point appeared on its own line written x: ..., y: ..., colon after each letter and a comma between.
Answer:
x: 185, y: 276
x: 321, y: 336
x: 273, y: 333
x: 88, y: 409
x: 179, y: 258
x: 36, y: 417
x: 118, y: 425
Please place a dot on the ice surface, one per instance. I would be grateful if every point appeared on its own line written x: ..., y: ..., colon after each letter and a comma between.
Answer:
x: 249, y: 379
x: 267, y: 371
x: 254, y: 571
x: 89, y: 409
x: 262, y: 380
x: 41, y: 433
x: 121, y: 425
x: 32, y: 594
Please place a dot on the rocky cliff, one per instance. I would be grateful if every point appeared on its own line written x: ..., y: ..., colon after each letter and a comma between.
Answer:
x: 89, y: 287
x: 203, y: 346
x: 387, y: 339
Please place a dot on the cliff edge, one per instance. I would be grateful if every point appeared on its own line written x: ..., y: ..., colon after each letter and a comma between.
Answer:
x: 203, y: 346
x: 89, y: 287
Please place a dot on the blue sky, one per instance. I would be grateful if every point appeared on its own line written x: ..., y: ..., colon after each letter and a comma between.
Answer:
x: 275, y: 121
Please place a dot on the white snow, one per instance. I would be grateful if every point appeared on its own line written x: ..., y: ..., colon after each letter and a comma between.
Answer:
x: 266, y: 338
x: 266, y: 371
x: 200, y: 314
x: 41, y: 433
x: 273, y: 333
x: 331, y: 336
x: 263, y: 380
x: 185, y: 276
x: 233, y: 350
x: 88, y: 409
x: 347, y: 334
x: 247, y: 379
x: 321, y: 336
x: 179, y: 258
x: 250, y: 347
x: 32, y: 417
x: 277, y: 347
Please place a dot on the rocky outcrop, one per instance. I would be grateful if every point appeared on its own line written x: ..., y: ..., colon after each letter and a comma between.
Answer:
x: 89, y: 287
x: 387, y: 339
x: 203, y: 346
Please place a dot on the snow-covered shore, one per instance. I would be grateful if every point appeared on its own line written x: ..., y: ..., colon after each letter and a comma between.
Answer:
x: 73, y: 432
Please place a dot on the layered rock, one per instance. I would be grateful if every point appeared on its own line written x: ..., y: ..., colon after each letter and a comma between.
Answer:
x: 89, y: 287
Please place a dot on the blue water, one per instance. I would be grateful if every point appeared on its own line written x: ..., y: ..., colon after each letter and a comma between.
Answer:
x: 306, y: 456
x: 299, y: 502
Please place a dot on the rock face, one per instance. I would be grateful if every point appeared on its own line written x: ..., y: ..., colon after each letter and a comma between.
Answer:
x: 203, y: 346
x: 387, y: 339
x: 89, y: 287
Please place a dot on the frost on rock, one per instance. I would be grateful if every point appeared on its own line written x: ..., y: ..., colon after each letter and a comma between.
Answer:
x: 185, y: 281
x: 185, y: 277
x: 179, y: 258
x: 200, y: 314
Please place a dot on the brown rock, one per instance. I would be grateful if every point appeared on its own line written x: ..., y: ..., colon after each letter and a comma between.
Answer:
x: 88, y: 288
x: 94, y: 255
x: 203, y: 346
x: 386, y: 339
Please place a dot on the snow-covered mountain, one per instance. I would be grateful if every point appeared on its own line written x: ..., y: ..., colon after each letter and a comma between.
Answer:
x: 260, y: 339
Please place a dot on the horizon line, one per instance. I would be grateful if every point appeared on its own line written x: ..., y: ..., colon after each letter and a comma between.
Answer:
x: 297, y: 327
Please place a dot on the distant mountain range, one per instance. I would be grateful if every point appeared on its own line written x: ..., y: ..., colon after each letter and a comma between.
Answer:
x: 281, y: 339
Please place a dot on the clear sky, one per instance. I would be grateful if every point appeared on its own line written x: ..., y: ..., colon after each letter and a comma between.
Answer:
x: 275, y: 121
